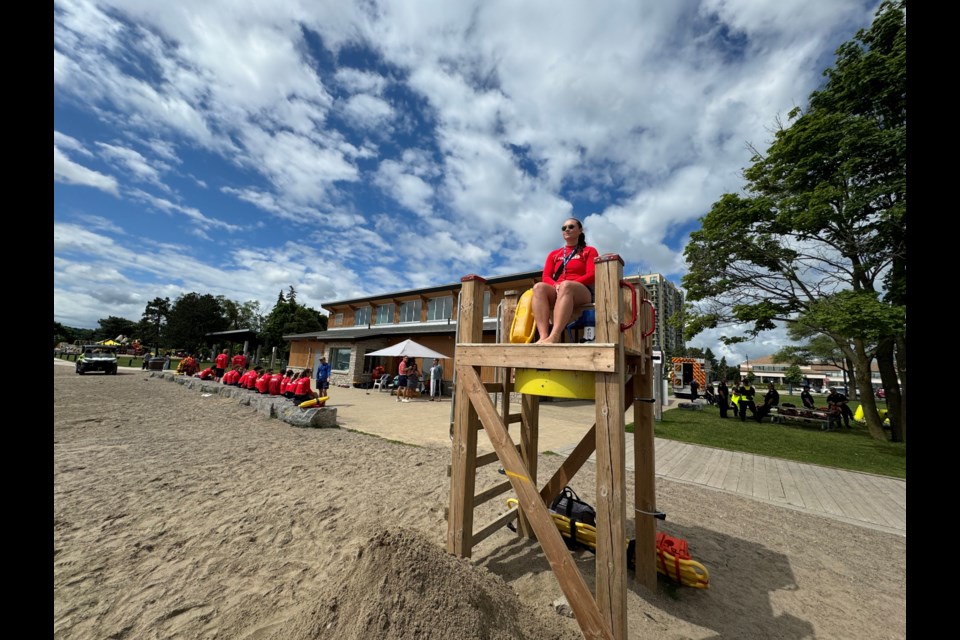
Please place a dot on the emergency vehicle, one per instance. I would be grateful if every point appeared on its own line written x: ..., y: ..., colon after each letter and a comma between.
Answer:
x: 684, y: 371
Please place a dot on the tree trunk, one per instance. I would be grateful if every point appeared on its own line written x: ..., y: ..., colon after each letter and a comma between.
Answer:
x: 888, y: 377
x: 868, y: 402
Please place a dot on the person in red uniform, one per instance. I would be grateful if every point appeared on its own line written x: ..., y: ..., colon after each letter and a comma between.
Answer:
x: 567, y: 282
x: 221, y: 363
x: 290, y: 389
x: 302, y: 391
x: 231, y: 377
x: 249, y: 379
x: 263, y: 382
x: 239, y: 360
x: 208, y: 374
x: 274, y: 387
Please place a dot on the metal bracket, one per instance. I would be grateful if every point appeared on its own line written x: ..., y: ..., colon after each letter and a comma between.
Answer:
x: 650, y: 400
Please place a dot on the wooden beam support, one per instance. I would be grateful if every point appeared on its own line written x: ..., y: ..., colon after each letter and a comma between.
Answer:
x: 589, y: 356
x: 592, y: 623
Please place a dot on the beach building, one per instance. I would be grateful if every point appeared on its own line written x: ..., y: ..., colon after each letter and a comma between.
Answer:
x: 360, y: 326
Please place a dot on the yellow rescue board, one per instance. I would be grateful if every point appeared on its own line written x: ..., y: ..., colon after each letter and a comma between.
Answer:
x: 316, y: 402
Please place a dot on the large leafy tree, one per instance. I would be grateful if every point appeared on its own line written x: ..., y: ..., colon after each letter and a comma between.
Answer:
x: 822, y: 223
x: 153, y: 321
x: 192, y: 317
x: 112, y: 327
x: 289, y: 317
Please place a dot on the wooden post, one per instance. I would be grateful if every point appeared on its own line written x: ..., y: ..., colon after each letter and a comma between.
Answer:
x: 466, y: 422
x: 611, y: 587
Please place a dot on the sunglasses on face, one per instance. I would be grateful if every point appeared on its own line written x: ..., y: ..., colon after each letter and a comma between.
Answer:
x: 568, y: 227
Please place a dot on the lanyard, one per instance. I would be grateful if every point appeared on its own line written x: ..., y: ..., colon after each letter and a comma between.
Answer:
x: 566, y: 259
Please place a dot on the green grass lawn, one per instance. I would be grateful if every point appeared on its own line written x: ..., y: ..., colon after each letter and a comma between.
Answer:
x: 851, y: 449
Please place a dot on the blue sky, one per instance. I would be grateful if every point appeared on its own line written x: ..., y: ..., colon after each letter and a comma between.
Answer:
x: 344, y: 148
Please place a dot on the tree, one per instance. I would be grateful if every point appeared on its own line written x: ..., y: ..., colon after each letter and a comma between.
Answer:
x: 288, y: 317
x: 191, y: 318
x: 62, y: 333
x: 250, y: 316
x: 792, y: 376
x: 823, y: 216
x: 723, y: 369
x: 152, y: 322
x: 112, y: 327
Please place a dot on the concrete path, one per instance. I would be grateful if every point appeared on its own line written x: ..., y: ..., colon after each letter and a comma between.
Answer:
x: 877, y: 502
x: 864, y: 499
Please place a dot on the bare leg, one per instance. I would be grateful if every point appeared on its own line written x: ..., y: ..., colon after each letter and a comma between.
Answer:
x: 570, y: 295
x: 544, y: 297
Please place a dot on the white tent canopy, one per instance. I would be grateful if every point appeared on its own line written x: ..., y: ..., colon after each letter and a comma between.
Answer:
x: 408, y: 348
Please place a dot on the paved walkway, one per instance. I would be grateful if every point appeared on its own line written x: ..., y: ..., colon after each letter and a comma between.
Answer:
x: 877, y: 502
x: 864, y: 499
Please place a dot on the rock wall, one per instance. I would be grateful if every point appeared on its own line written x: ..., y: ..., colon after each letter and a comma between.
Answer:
x: 270, y: 406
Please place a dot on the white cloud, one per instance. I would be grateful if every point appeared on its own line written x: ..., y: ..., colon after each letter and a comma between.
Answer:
x: 69, y: 172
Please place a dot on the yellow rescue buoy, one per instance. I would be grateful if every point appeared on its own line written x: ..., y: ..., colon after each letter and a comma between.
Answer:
x: 316, y: 402
x: 522, y: 327
x: 556, y: 383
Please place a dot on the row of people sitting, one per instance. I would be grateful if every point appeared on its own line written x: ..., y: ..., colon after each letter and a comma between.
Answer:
x: 289, y: 385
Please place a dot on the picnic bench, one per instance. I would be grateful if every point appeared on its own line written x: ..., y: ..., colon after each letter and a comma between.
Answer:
x: 785, y: 415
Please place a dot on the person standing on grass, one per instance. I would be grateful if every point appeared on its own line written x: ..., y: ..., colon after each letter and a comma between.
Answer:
x: 747, y: 392
x: 221, y: 363
x: 723, y: 398
x: 694, y: 387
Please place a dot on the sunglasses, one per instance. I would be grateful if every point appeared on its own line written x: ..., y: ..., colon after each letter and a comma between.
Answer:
x: 569, y: 227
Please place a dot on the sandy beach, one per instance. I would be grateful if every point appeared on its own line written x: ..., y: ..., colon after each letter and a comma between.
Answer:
x: 183, y: 516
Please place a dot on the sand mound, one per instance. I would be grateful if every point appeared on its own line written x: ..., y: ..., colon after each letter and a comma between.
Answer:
x: 403, y: 586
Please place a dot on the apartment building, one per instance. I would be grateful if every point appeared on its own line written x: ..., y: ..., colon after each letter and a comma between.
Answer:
x: 667, y: 300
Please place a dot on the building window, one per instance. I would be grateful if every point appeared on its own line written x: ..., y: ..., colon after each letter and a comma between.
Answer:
x: 385, y: 313
x: 486, y: 304
x: 410, y: 311
x: 440, y: 308
x: 338, y: 320
x: 361, y: 317
x: 340, y: 359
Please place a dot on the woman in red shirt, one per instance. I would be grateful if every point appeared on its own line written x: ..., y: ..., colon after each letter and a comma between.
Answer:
x: 568, y: 277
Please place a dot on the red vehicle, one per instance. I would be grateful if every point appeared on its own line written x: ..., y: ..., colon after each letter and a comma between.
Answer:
x: 881, y: 394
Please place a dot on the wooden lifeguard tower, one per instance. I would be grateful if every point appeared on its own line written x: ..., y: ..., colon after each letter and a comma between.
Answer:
x: 620, y: 359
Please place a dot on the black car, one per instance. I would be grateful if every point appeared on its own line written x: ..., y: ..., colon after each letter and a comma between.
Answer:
x: 96, y: 357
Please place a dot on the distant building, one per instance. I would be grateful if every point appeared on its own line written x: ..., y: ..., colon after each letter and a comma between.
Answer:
x: 819, y: 376
x: 667, y: 300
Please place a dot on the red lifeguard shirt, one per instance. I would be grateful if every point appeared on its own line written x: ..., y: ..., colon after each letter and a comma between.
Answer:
x: 284, y: 383
x: 249, y: 380
x: 231, y: 377
x: 222, y: 361
x: 580, y: 267
x: 263, y: 383
x: 274, y: 386
x: 239, y: 360
x: 303, y: 386
x: 207, y: 374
